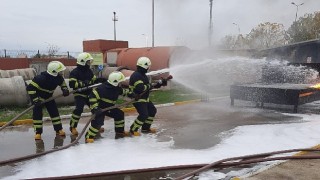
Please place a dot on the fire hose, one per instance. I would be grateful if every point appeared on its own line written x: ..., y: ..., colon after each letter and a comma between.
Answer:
x: 249, y: 159
x: 224, y: 163
x: 47, y: 100
x: 152, y: 73
x: 63, y: 147
x: 77, y: 139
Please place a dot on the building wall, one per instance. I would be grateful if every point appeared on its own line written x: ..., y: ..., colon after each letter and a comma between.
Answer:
x: 21, y: 63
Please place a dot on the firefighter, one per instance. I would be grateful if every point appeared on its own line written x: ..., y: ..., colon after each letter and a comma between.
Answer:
x: 41, y: 88
x: 81, y: 76
x: 139, y: 85
x: 105, y: 96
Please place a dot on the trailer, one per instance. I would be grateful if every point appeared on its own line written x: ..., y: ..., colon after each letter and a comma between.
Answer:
x: 281, y: 93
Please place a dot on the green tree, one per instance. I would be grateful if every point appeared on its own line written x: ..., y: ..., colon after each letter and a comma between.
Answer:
x: 305, y: 28
x: 228, y: 41
x: 235, y: 42
x: 267, y: 35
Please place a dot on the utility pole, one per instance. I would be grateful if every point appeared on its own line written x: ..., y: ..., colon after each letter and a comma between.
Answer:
x: 114, y: 19
x: 152, y: 23
x: 210, y: 22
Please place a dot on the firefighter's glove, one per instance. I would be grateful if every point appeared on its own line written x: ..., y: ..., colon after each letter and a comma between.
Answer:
x: 164, y: 82
x: 86, y: 83
x: 101, y: 80
x: 97, y: 111
x: 158, y: 84
x: 134, y: 96
x: 37, y: 103
x: 150, y: 87
x: 65, y: 92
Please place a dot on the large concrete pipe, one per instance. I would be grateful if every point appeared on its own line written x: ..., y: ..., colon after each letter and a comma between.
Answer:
x: 69, y: 100
x: 13, y: 91
x: 27, y: 73
x: 3, y: 74
x: 66, y: 73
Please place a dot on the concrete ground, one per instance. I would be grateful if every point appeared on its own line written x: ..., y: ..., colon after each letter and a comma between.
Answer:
x: 192, y: 126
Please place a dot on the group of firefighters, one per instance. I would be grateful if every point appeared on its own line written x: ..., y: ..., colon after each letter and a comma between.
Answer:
x: 104, y: 96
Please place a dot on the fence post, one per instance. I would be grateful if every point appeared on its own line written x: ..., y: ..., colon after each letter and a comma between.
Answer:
x: 5, y: 53
x: 68, y: 55
x: 38, y: 54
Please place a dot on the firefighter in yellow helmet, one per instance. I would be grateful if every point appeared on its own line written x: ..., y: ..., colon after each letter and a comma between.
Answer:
x: 140, y: 85
x: 81, y: 76
x: 41, y: 88
x: 105, y: 96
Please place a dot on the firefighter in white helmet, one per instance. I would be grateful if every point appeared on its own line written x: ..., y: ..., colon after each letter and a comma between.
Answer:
x: 140, y: 86
x: 41, y: 88
x: 105, y: 96
x: 81, y: 76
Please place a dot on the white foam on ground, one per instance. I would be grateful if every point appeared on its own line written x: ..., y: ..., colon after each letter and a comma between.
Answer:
x: 146, y: 152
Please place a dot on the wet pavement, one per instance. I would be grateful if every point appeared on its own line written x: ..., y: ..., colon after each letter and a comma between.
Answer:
x: 192, y: 126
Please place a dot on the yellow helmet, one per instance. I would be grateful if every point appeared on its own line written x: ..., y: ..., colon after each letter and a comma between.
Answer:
x: 115, y: 78
x: 54, y: 67
x: 144, y: 62
x: 83, y: 58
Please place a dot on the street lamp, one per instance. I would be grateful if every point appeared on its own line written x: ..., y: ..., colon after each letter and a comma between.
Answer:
x: 210, y: 22
x: 114, y: 19
x: 297, y: 5
x: 146, y: 39
x: 237, y: 26
x: 152, y: 23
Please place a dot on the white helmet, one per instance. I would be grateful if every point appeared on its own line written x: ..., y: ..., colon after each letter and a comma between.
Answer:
x: 144, y: 62
x: 54, y: 67
x: 83, y: 58
x: 116, y: 77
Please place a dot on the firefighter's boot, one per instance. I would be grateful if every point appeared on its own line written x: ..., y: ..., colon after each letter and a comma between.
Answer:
x: 88, y: 138
x: 37, y: 137
x: 151, y: 130
x: 135, y: 133
x: 60, y: 133
x: 74, y: 131
x: 122, y: 134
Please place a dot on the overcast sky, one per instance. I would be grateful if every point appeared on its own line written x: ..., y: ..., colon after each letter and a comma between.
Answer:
x: 33, y: 24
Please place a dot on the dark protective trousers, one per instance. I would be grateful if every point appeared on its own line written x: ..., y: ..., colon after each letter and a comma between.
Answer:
x: 118, y: 116
x: 147, y: 111
x: 79, y: 103
x: 53, y: 112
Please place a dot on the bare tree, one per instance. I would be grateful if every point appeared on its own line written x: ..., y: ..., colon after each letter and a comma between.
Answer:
x: 52, y: 50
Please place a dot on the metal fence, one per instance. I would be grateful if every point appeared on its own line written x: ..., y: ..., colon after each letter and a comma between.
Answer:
x: 36, y: 54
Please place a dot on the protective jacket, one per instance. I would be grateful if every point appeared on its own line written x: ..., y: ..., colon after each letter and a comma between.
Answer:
x: 102, y: 97
x: 80, y: 77
x: 106, y: 95
x: 139, y: 83
x: 43, y: 86
x: 40, y: 89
